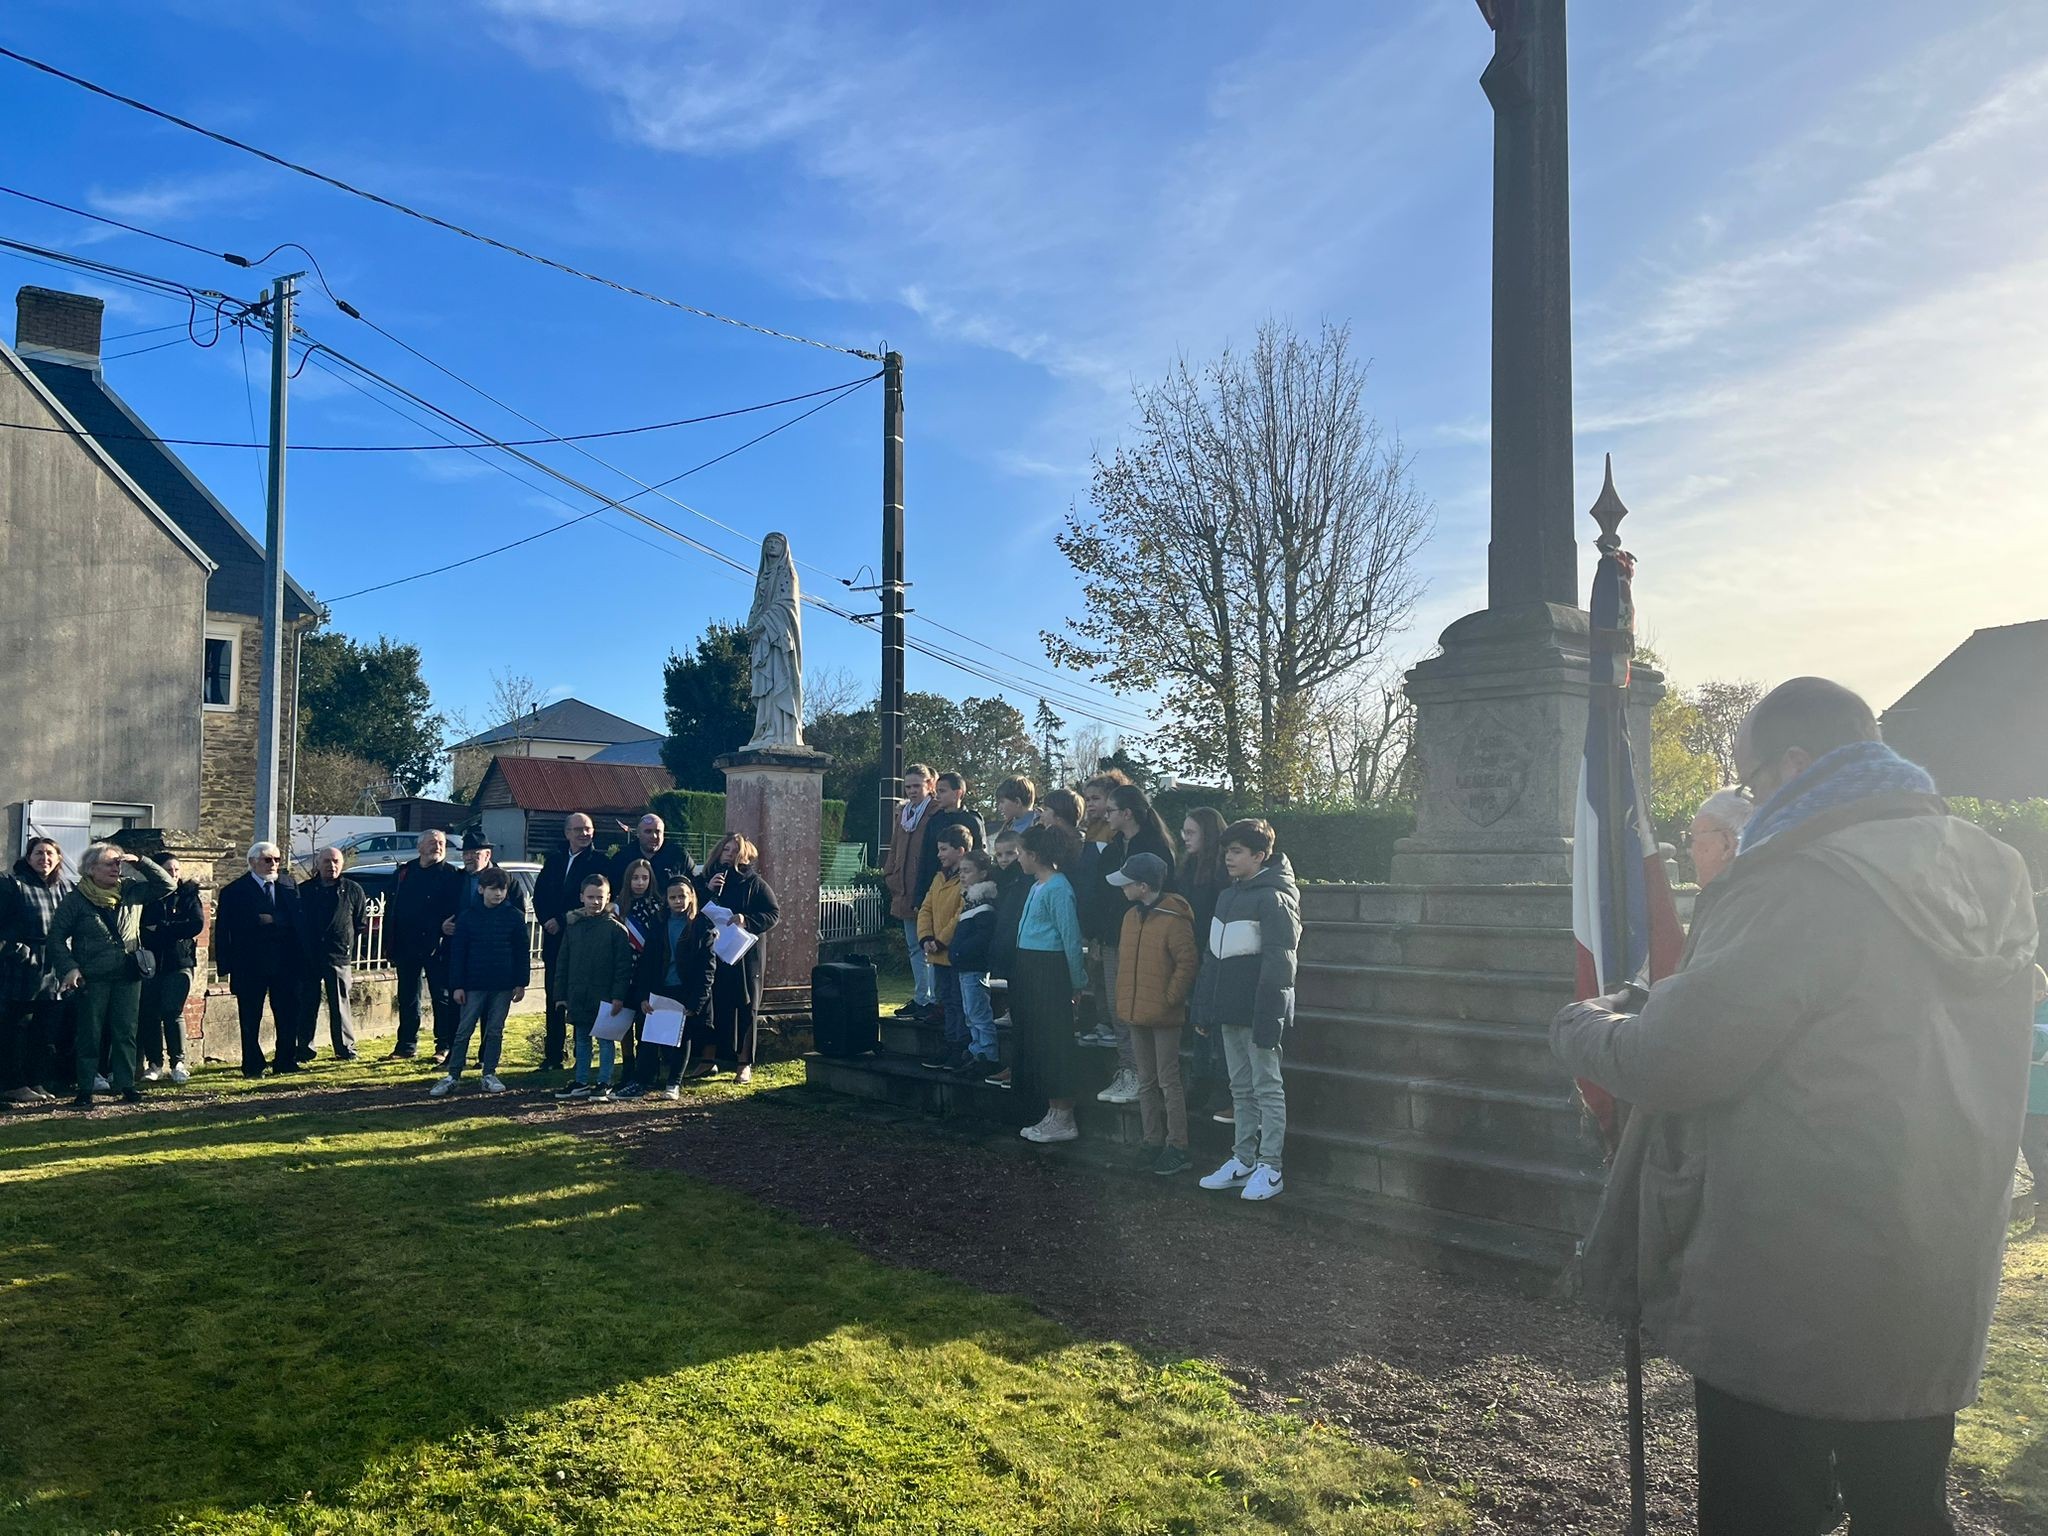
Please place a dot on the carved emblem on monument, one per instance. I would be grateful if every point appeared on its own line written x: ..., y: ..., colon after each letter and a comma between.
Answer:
x: 1489, y: 768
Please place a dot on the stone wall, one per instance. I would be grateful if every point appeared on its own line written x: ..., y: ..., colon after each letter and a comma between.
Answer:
x: 215, y: 1026
x: 227, y: 770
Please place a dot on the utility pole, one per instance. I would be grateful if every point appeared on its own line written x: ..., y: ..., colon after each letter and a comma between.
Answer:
x: 892, y: 601
x: 270, y: 692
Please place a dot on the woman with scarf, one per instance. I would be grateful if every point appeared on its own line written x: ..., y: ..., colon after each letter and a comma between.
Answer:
x: 31, y: 1007
x: 730, y: 881
x: 96, y: 951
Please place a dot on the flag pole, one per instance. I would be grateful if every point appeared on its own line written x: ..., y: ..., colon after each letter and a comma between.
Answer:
x: 1611, y: 649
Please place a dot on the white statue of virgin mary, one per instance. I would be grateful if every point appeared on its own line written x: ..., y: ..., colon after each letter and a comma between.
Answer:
x: 775, y: 629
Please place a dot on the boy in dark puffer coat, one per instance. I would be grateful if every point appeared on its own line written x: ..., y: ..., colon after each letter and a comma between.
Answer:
x: 973, y: 943
x: 1246, y: 989
x: 490, y: 961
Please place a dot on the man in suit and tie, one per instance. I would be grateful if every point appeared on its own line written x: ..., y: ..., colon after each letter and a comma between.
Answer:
x: 256, y: 946
x: 556, y: 893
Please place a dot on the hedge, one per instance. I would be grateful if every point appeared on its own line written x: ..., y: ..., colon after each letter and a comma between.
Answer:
x: 1351, y: 844
x: 703, y: 811
x: 2021, y: 823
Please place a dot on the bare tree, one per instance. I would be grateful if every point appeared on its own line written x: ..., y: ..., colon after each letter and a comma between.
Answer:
x: 834, y: 691
x: 1254, y: 547
x: 1720, y: 706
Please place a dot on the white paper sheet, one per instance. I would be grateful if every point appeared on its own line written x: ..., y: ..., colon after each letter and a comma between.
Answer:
x: 719, y: 915
x: 732, y: 943
x: 662, y: 1026
x: 612, y: 1024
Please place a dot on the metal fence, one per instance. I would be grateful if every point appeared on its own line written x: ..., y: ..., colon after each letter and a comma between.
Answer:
x: 848, y: 912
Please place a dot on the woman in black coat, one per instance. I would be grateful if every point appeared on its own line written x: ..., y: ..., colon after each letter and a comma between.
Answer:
x: 729, y: 880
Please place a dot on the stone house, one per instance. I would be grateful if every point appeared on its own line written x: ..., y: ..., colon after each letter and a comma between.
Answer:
x: 57, y: 336
x: 102, y: 631
x: 566, y: 730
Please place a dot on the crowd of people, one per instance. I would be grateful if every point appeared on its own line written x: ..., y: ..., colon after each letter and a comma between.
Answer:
x: 97, y: 965
x: 1085, y: 923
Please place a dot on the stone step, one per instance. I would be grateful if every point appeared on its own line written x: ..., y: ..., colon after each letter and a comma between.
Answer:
x: 1500, y: 1186
x: 1425, y: 1047
x: 1470, y: 946
x: 1485, y: 906
x: 1535, y: 1122
x: 1498, y: 997
x: 1530, y: 1257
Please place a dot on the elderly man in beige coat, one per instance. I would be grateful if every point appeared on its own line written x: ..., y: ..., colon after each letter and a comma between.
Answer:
x: 1809, y: 1204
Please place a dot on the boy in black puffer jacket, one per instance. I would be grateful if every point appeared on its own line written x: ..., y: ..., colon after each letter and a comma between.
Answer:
x: 1246, y: 989
x: 489, y: 964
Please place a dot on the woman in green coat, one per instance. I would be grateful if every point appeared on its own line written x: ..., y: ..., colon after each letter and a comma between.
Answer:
x: 93, y: 943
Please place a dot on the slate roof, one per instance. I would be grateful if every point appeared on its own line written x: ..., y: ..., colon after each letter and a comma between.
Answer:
x: 1979, y: 721
x: 565, y: 720
x: 236, y: 585
x: 643, y: 754
x: 553, y: 784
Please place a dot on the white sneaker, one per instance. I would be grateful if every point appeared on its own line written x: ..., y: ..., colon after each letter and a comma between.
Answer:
x: 100, y: 1084
x: 672, y: 1091
x: 179, y: 1074
x: 1230, y: 1176
x: 1058, y: 1125
x: 442, y: 1089
x: 153, y: 1075
x: 1122, y: 1089
x: 491, y: 1083
x: 1264, y: 1183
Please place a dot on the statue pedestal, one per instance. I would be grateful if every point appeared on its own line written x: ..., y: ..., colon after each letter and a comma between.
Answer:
x: 775, y: 796
x: 1500, y: 731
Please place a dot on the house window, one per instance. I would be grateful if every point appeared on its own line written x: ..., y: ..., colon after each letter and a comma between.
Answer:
x: 221, y: 681
x: 108, y: 819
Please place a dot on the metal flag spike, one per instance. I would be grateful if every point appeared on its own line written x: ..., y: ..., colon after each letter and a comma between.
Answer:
x: 1608, y: 511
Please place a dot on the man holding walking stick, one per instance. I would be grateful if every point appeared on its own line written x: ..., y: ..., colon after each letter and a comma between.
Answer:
x: 1809, y: 1200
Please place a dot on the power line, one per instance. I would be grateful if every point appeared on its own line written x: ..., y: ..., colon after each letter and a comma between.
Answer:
x: 595, y: 511
x: 133, y: 229
x: 440, y: 223
x: 440, y: 447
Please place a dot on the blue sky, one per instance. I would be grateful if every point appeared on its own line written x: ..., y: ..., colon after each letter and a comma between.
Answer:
x: 1810, y: 273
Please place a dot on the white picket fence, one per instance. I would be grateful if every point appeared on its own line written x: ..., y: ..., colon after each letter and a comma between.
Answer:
x: 844, y: 913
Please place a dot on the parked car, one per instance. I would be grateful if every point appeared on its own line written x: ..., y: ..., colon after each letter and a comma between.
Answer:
x: 377, y: 878
x: 371, y: 848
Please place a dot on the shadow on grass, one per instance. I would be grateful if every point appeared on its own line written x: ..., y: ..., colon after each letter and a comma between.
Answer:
x: 233, y: 1311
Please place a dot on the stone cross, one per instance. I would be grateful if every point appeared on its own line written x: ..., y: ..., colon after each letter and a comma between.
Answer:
x: 1533, y: 557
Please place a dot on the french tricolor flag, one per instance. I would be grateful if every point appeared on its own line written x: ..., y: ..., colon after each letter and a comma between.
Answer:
x: 1624, y: 919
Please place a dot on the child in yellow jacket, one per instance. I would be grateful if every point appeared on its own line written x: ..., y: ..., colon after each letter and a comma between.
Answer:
x: 937, y: 917
x: 1155, y: 976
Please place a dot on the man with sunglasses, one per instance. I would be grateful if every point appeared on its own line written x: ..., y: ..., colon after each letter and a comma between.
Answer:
x: 256, y: 946
x: 1809, y: 1203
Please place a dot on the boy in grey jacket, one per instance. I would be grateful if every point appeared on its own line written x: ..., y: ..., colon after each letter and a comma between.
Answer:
x: 1246, y: 991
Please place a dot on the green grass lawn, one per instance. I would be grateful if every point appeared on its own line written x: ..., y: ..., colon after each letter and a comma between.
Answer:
x: 322, y: 1315
x: 2004, y: 1437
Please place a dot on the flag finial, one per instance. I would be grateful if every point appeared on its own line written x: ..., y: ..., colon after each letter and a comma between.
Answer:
x: 1608, y: 511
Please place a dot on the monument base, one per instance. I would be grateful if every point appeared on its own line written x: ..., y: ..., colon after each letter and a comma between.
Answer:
x: 1500, y: 731
x: 774, y: 796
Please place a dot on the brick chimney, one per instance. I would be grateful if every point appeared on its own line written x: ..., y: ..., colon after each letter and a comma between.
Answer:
x: 62, y: 327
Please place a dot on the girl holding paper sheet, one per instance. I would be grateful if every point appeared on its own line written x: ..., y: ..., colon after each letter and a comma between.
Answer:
x: 730, y: 883
x: 677, y: 965
x: 642, y: 910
